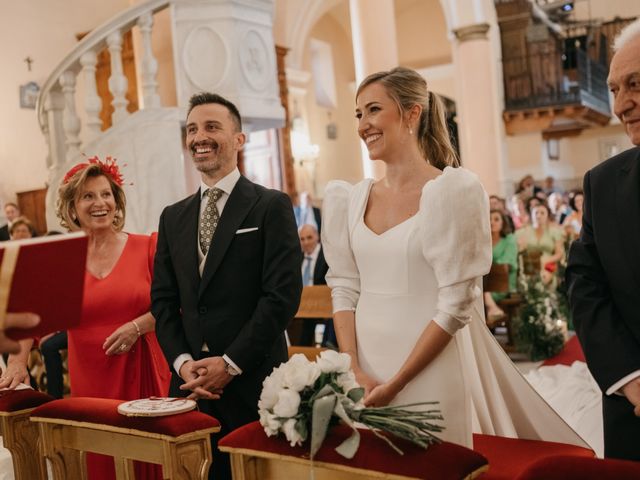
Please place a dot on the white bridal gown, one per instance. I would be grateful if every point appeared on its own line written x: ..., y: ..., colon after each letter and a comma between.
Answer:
x: 430, y: 267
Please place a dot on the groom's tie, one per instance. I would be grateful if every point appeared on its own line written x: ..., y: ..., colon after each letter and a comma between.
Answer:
x: 209, y: 219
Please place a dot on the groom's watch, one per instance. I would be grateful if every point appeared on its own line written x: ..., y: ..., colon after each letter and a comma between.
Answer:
x: 230, y: 369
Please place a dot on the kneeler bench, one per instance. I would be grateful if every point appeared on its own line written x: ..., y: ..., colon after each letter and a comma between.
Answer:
x: 72, y: 426
x: 562, y: 467
x: 19, y: 435
x: 511, y: 457
x: 254, y: 456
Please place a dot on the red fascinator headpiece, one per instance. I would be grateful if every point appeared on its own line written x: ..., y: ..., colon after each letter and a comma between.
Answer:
x: 108, y: 167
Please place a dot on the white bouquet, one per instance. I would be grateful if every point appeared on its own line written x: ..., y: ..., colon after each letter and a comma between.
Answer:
x: 302, y: 397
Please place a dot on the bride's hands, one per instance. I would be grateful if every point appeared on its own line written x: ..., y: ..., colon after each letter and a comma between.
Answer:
x: 381, y: 395
x: 365, y: 381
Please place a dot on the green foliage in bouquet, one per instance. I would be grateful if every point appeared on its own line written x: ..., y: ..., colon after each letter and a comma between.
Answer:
x: 539, y: 326
x: 303, y: 399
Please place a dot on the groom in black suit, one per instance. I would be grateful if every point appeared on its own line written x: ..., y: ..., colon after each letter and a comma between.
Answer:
x: 603, y: 273
x: 227, y: 277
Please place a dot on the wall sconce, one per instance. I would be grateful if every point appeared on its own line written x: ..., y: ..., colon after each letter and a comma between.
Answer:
x: 332, y: 129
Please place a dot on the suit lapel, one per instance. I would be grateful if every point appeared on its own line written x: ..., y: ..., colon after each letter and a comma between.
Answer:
x: 187, y: 235
x: 628, y: 211
x: 242, y: 198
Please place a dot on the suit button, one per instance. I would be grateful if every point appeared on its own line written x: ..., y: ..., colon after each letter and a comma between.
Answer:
x: 202, y: 310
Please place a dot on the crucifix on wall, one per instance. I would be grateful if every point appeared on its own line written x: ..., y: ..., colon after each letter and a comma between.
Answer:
x: 28, y: 60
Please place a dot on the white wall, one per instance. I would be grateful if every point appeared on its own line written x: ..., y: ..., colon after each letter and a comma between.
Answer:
x: 339, y: 158
x: 45, y: 31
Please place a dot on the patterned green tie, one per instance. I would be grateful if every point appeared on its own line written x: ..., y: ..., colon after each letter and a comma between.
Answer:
x: 209, y: 219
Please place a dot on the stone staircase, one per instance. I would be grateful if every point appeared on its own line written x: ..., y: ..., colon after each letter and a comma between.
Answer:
x: 218, y: 45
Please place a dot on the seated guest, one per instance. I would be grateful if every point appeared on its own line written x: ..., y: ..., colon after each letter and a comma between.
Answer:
x: 518, y: 212
x: 573, y: 222
x: 113, y: 353
x: 542, y: 236
x: 306, y: 213
x: 11, y: 212
x: 20, y: 229
x: 532, y: 202
x: 314, y: 269
x: 558, y: 207
x: 549, y: 186
x: 500, y: 204
x: 527, y: 187
x: 505, y: 251
x: 50, y: 347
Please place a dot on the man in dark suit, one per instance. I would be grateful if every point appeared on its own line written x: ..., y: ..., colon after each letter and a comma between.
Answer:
x: 314, y: 269
x: 314, y: 266
x: 603, y: 273
x: 11, y: 212
x: 227, y: 276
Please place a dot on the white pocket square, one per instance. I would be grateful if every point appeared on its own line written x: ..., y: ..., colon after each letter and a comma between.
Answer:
x: 246, y: 230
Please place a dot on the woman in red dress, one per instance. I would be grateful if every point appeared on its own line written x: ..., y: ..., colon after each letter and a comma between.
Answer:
x: 113, y: 352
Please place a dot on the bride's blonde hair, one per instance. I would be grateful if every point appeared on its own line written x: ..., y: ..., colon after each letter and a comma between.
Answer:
x: 407, y: 88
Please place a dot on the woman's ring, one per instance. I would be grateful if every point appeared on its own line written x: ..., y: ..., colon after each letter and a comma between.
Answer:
x: 123, y: 347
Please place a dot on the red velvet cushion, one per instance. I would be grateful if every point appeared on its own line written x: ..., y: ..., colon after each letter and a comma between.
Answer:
x: 442, y: 461
x: 105, y: 411
x: 580, y: 468
x: 571, y: 352
x: 16, y: 400
x: 508, y: 457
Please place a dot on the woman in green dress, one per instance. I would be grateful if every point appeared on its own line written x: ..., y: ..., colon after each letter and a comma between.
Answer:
x: 505, y: 251
x: 545, y: 237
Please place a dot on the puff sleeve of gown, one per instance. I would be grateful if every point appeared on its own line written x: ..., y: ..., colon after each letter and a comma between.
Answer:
x: 456, y: 242
x: 343, y: 276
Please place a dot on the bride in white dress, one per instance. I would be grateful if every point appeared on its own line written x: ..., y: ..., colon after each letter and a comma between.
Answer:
x: 406, y: 256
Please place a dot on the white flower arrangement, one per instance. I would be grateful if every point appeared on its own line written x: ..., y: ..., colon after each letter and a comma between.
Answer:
x: 302, y: 397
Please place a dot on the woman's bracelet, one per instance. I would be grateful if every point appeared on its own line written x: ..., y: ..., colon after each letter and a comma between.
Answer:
x: 137, y: 327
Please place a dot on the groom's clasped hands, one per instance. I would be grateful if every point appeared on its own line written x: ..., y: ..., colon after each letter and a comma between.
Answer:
x: 205, y: 378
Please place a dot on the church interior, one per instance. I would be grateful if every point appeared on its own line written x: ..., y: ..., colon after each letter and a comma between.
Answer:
x: 529, y: 111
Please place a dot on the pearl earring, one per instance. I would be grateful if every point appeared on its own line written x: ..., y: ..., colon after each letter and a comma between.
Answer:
x: 410, y: 132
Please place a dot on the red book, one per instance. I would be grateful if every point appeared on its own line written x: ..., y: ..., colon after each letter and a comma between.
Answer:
x: 46, y: 277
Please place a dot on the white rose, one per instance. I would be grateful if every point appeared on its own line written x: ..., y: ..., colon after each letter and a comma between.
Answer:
x: 269, y: 422
x: 347, y: 381
x: 289, y: 429
x: 332, y: 361
x: 288, y: 403
x: 303, y: 375
x: 270, y: 388
x: 298, y: 359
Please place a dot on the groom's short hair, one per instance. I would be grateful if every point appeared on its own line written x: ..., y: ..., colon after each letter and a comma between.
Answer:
x: 204, y: 98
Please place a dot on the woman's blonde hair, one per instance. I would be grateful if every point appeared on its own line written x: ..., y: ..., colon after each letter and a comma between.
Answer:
x: 407, y: 88
x: 68, y: 193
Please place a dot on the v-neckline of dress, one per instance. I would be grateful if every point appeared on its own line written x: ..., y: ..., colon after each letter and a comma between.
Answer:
x: 115, y: 265
x: 366, y: 202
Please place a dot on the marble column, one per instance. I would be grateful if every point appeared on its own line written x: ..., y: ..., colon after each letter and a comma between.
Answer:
x: 479, y: 126
x: 373, y: 31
